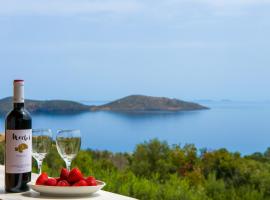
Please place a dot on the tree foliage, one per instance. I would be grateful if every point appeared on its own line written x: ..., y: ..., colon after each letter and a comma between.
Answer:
x: 158, y: 171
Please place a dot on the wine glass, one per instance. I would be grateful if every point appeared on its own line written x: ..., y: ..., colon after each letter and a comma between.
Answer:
x: 41, y: 143
x: 68, y: 143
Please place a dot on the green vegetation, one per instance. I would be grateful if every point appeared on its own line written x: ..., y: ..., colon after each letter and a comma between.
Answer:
x: 157, y: 171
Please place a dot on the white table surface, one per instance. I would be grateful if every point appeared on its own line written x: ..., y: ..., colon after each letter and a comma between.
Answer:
x: 100, y: 195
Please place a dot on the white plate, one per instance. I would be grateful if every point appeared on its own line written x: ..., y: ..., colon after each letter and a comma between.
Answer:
x: 66, y: 190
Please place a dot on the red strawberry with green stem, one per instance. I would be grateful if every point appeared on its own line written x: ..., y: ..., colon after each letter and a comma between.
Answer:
x: 64, y: 174
x: 80, y: 183
x: 91, y: 181
x: 74, y: 175
x: 42, y: 179
x: 51, y: 182
x: 63, y: 183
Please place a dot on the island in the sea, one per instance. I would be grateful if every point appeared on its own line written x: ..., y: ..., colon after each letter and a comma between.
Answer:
x: 132, y: 103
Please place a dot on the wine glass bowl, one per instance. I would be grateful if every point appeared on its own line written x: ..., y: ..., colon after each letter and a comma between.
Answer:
x: 68, y: 143
x: 41, y: 143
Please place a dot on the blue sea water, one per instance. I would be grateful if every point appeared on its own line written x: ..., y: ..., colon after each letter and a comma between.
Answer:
x: 237, y: 126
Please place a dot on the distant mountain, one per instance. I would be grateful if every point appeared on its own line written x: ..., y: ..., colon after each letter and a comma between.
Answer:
x: 148, y: 103
x: 133, y: 103
x: 48, y: 106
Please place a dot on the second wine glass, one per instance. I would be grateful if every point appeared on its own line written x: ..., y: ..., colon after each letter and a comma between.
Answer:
x: 68, y: 143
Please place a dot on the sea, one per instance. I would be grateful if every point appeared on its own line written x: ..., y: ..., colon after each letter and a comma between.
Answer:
x: 237, y: 126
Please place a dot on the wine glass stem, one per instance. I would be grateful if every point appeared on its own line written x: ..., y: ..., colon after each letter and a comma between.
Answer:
x: 68, y: 164
x: 39, y: 165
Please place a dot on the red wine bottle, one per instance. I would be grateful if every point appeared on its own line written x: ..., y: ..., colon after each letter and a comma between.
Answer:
x: 18, y: 136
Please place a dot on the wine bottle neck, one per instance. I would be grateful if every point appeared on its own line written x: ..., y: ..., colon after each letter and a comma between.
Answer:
x: 18, y: 105
x: 18, y: 92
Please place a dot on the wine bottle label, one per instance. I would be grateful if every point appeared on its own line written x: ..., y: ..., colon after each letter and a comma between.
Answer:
x: 18, y: 151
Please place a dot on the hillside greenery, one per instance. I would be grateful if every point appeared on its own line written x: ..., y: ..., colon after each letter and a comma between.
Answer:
x: 158, y: 171
x: 142, y: 103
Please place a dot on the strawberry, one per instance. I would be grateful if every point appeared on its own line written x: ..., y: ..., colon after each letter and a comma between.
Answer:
x: 63, y: 183
x: 74, y: 175
x: 58, y: 179
x: 80, y: 183
x: 42, y: 179
x: 51, y: 182
x: 91, y: 181
x: 64, y: 174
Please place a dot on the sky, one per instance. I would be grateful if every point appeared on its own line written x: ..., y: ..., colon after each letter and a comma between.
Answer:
x: 107, y: 49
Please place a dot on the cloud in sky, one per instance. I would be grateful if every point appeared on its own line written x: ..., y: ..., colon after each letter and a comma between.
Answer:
x: 198, y: 8
x: 186, y: 40
x: 222, y: 3
x: 67, y: 7
x: 155, y: 23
